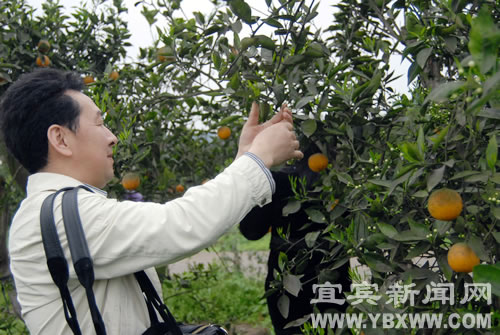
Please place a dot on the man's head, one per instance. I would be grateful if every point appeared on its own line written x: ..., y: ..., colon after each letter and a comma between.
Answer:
x: 49, y: 125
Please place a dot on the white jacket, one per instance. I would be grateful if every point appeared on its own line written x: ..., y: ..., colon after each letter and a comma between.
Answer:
x: 123, y: 237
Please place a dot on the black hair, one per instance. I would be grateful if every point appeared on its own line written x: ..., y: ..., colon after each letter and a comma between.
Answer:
x: 30, y: 106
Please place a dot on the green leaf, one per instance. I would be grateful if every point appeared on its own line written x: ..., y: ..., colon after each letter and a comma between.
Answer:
x: 488, y: 274
x: 293, y: 206
x: 387, y: 229
x: 411, y: 152
x: 490, y: 113
x: 405, y: 169
x: 241, y: 9
x: 309, y: 127
x: 464, y: 174
x: 408, y: 235
x: 418, y: 228
x: 420, y: 194
x: 315, y: 216
x: 400, y: 180
x: 477, y: 245
x: 377, y: 262
x: 496, y: 212
x: 422, y: 56
x: 311, y: 238
x: 496, y: 235
x: 284, y: 305
x: 418, y: 250
x: 315, y: 49
x: 417, y: 273
x: 439, y: 137
x: 229, y: 119
x: 492, y: 83
x: 248, y: 42
x: 413, y: 71
x: 484, y: 40
x: 451, y: 43
x: 273, y: 23
x: 339, y: 262
x: 292, y: 284
x: 495, y: 178
x: 481, y: 177
x: 384, y: 183
x: 443, y: 91
x: 435, y: 178
x: 442, y: 226
x: 345, y: 178
x: 492, y: 152
x: 265, y: 42
x: 445, y: 267
x: 421, y: 140
x: 295, y: 59
x: 304, y: 101
x: 298, y: 322
x: 282, y: 260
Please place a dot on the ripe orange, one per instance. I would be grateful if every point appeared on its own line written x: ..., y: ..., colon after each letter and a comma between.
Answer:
x: 445, y: 204
x: 317, y: 162
x: 43, y: 46
x: 462, y: 258
x: 131, y: 181
x: 114, y: 75
x: 87, y: 80
x: 179, y: 188
x: 224, y: 132
x: 43, y: 61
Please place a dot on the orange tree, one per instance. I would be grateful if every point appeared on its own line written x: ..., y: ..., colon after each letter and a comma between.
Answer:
x: 388, y: 151
x: 90, y: 42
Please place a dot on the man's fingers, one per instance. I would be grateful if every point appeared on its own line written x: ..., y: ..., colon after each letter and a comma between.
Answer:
x: 283, y: 107
x: 253, y: 118
x: 287, y: 117
x: 297, y: 154
x: 276, y: 118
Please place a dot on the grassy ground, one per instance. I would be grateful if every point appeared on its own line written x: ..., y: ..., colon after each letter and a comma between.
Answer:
x: 233, y: 240
x: 212, y: 294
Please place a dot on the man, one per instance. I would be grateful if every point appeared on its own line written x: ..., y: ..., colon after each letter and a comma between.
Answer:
x: 57, y: 133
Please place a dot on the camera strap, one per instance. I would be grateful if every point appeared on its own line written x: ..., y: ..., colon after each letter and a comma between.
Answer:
x: 82, y: 263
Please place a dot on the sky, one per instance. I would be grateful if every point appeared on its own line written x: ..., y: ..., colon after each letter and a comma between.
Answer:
x: 143, y: 36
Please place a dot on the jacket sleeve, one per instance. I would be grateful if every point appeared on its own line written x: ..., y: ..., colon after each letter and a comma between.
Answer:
x: 126, y: 236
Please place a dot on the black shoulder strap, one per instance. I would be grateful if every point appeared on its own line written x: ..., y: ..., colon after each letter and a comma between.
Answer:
x: 82, y: 262
x: 56, y: 262
x: 154, y: 302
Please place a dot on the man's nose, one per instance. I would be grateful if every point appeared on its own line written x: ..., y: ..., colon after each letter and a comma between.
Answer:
x: 113, y: 138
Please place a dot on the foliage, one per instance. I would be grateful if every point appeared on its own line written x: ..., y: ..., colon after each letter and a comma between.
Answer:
x: 10, y: 324
x: 211, y: 294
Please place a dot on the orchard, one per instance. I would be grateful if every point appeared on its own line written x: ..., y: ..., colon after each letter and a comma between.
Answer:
x: 178, y: 108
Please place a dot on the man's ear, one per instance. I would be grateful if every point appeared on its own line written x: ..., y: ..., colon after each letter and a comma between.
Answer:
x: 58, y: 140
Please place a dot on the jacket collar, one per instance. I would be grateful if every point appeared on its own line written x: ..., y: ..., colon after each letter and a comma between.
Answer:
x: 47, y: 181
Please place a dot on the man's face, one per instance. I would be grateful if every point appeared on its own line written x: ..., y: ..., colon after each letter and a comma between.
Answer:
x: 92, y: 144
